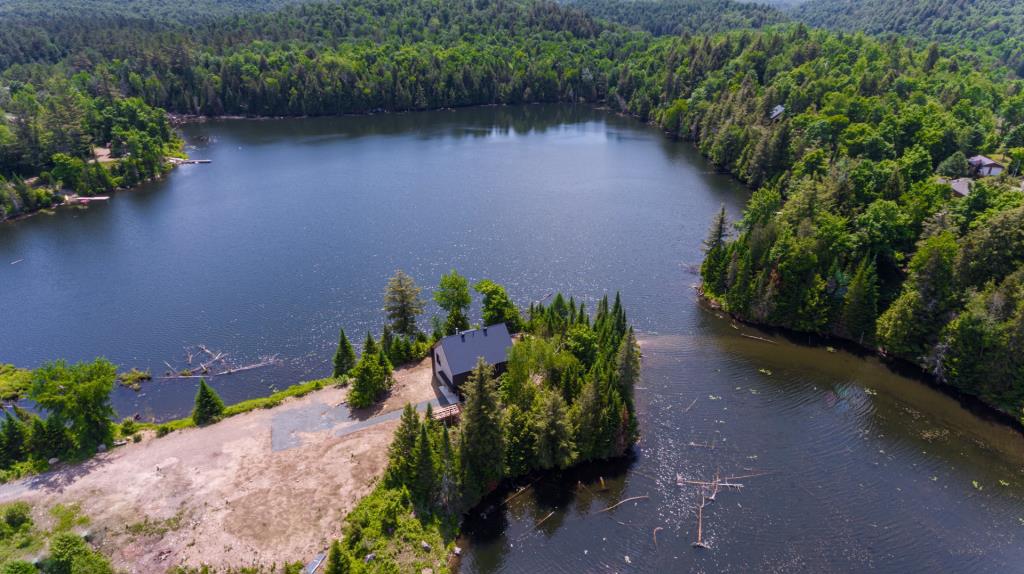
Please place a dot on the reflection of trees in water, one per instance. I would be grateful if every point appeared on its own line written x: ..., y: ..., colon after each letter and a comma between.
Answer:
x: 587, y: 488
x: 473, y: 122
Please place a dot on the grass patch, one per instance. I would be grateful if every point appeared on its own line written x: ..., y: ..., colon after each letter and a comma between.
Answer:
x: 134, y: 378
x: 267, y: 402
x: 14, y: 382
x: 385, y: 524
x: 66, y: 517
x: 156, y: 527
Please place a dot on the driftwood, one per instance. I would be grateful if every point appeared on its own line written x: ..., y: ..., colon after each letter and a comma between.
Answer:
x: 709, y: 490
x: 617, y: 504
x: 216, y: 358
x: 756, y: 338
x: 655, y: 535
x: 687, y: 409
x: 542, y: 520
x: 521, y: 490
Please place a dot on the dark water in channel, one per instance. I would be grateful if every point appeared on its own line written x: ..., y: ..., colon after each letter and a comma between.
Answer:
x: 294, y: 228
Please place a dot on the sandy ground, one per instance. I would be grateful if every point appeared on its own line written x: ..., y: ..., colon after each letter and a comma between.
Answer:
x: 260, y: 488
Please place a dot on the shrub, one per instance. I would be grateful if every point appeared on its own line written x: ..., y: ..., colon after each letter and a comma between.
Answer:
x: 17, y: 514
x: 128, y: 426
x: 209, y: 408
x: 163, y: 430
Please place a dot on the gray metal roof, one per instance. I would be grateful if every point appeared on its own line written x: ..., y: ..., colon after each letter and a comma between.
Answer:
x: 463, y: 349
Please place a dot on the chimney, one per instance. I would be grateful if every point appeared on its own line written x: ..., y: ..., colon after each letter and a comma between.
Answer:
x: 485, y: 331
x: 463, y: 335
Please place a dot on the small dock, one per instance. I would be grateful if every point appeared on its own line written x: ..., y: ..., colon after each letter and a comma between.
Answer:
x: 179, y: 161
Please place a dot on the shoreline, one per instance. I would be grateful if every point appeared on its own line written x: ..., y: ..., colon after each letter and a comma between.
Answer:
x: 974, y: 404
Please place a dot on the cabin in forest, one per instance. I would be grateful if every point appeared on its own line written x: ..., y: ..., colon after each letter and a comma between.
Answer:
x: 961, y: 186
x: 983, y: 166
x: 454, y: 356
x: 777, y: 112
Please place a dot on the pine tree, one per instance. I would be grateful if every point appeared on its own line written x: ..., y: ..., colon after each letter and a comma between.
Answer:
x: 403, y: 304
x: 860, y: 308
x: 344, y: 357
x: 588, y: 421
x: 368, y: 381
x: 12, y: 439
x: 369, y: 346
x: 424, y: 485
x: 448, y: 485
x: 553, y: 434
x: 481, y: 445
x: 209, y: 407
x: 402, y: 452
x: 337, y: 561
x: 713, y: 269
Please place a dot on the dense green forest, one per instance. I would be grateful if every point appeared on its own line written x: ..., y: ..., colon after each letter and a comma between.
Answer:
x: 990, y: 25
x: 676, y: 17
x: 846, y: 204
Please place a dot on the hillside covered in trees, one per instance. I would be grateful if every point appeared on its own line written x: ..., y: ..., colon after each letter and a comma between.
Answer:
x: 848, y: 224
x: 675, y: 17
x: 993, y: 25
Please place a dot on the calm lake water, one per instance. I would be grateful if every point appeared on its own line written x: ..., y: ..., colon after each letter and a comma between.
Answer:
x: 295, y: 227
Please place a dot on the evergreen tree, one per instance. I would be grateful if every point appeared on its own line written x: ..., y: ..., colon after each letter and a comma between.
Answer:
x: 402, y: 454
x: 337, y: 560
x: 403, y: 304
x: 554, y: 442
x: 713, y: 269
x: 448, y: 481
x: 369, y: 380
x: 481, y: 445
x: 12, y: 439
x: 588, y: 422
x: 424, y: 485
x: 344, y: 357
x: 369, y: 346
x: 453, y: 296
x: 860, y: 308
x: 209, y: 408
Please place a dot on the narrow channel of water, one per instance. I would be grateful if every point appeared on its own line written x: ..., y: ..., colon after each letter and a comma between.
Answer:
x: 294, y: 228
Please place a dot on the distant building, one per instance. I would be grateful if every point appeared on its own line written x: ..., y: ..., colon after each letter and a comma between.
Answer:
x: 454, y: 356
x: 961, y: 186
x: 777, y: 112
x: 983, y: 166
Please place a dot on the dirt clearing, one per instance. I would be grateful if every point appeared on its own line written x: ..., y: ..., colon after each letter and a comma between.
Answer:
x: 260, y: 488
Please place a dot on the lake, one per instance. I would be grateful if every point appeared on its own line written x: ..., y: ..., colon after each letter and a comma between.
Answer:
x: 293, y: 229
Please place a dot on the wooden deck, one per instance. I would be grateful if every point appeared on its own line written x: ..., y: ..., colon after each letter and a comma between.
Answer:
x: 449, y: 414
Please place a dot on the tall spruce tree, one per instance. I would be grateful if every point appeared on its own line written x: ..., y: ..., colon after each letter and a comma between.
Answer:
x: 448, y: 479
x: 424, y: 485
x: 860, y: 306
x: 209, y: 408
x: 712, y: 271
x: 481, y: 444
x: 403, y: 304
x: 554, y: 442
x: 344, y: 357
x: 402, y: 452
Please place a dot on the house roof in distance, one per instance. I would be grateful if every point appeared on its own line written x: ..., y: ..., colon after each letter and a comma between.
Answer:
x: 981, y: 161
x: 462, y: 349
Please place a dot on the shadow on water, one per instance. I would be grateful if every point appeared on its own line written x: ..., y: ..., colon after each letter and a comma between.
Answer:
x: 899, y: 367
x: 546, y: 499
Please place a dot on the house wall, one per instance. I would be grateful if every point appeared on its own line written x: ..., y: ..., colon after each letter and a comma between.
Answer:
x: 991, y: 170
x: 440, y: 363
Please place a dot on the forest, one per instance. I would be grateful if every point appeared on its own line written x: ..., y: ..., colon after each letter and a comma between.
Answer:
x: 565, y: 398
x: 848, y: 233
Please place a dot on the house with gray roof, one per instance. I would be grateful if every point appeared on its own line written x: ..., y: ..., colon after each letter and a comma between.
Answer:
x: 454, y: 356
x: 983, y: 166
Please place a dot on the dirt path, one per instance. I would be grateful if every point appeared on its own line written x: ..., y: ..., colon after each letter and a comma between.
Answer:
x: 260, y: 488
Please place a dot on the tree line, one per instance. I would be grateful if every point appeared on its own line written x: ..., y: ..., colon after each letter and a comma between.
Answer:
x: 850, y: 231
